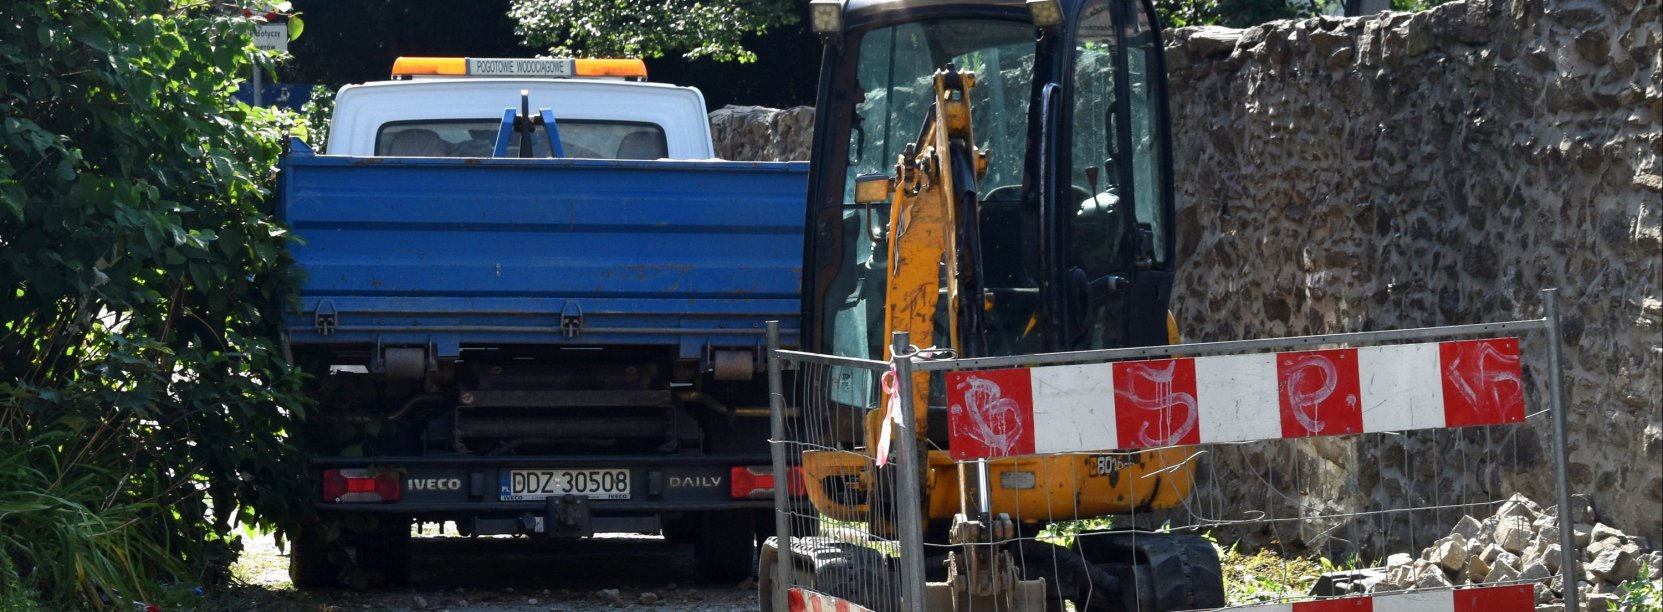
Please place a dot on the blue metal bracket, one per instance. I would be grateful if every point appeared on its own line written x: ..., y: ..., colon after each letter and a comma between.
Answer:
x: 505, y: 133
x: 325, y: 319
x: 552, y: 131
x: 518, y: 123
x: 296, y: 146
x: 571, y: 319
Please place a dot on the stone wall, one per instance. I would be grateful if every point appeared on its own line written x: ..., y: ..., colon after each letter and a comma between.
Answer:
x: 1436, y: 168
x: 1406, y: 170
x: 755, y: 133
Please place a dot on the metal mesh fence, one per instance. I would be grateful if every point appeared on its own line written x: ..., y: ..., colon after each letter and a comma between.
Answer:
x: 1211, y: 498
x: 839, y: 539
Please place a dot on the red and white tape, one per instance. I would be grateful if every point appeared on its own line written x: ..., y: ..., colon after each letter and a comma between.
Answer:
x: 1233, y: 398
x: 1520, y: 597
x: 1487, y: 599
x: 804, y: 600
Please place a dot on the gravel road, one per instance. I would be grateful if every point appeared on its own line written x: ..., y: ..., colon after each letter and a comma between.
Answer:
x: 520, y: 575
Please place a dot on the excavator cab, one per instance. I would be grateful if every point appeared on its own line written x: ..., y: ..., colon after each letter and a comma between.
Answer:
x: 1075, y: 208
x: 1061, y: 199
x: 993, y: 177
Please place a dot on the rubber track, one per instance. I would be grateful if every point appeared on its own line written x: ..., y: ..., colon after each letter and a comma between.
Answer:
x: 1183, y: 570
x: 848, y: 571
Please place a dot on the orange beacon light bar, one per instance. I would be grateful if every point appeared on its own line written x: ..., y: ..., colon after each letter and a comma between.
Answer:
x: 409, y: 67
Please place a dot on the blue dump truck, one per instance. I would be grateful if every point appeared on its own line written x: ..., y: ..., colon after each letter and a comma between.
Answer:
x: 534, y: 304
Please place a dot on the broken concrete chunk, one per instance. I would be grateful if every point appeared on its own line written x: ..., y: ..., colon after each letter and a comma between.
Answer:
x: 1490, y: 552
x: 1513, y: 533
x: 1535, y: 571
x: 1468, y: 527
x: 1519, y: 506
x: 1451, y: 556
x: 1508, y: 559
x: 1603, y: 531
x: 1550, y: 558
x: 1580, y: 534
x: 1433, y: 580
x: 1654, y: 562
x: 1544, y: 595
x: 1501, y: 572
x: 1547, y: 534
x: 1614, y: 565
x: 1477, y: 569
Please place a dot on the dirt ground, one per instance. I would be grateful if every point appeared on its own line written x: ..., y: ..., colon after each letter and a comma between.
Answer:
x: 504, y: 575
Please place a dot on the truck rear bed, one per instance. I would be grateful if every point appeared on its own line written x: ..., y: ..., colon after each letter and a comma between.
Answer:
x: 447, y: 253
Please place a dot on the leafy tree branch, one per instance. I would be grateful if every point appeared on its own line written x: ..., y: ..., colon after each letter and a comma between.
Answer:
x: 648, y: 28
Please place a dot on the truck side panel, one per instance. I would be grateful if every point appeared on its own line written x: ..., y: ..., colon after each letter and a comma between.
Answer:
x: 451, y: 252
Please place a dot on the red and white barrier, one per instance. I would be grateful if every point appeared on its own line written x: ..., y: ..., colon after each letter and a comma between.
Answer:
x: 1488, y: 599
x: 1233, y: 398
x: 804, y: 600
x: 1518, y: 597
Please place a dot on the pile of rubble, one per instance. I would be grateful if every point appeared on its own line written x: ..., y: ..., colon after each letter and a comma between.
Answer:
x: 1520, y: 543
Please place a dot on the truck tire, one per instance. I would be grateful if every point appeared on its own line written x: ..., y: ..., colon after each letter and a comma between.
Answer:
x: 381, y: 555
x: 726, y: 541
x: 1158, y: 572
x: 680, y: 530
x: 356, y: 552
x: 310, y: 566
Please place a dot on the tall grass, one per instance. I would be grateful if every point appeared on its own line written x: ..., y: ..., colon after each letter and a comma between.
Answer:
x: 74, y: 531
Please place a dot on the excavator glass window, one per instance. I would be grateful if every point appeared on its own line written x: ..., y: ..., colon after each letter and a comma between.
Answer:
x: 1122, y: 227
x: 1147, y: 107
x: 895, y: 66
x: 1096, y: 231
x: 895, y: 69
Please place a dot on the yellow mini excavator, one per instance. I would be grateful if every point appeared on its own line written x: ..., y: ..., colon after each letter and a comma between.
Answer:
x: 994, y: 178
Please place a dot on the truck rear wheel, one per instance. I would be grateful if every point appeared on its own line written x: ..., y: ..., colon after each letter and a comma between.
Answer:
x: 681, y: 530
x: 381, y: 556
x: 310, y: 566
x: 725, y: 542
x: 358, y: 552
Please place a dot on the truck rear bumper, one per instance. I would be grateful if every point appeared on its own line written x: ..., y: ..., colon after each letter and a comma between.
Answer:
x: 434, y: 509
x: 470, y: 489
x: 473, y: 461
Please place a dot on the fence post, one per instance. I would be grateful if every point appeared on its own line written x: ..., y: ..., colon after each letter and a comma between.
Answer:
x: 910, y: 522
x: 1561, y: 455
x: 782, y: 471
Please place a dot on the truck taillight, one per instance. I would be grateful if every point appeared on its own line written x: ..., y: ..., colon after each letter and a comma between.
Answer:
x: 359, y: 485
x: 758, y: 482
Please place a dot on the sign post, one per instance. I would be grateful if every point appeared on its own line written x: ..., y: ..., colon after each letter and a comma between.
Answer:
x: 271, y: 36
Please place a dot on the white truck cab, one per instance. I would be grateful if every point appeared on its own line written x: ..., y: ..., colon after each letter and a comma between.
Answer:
x: 453, y: 107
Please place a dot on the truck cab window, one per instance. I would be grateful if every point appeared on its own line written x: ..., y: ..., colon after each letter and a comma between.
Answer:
x: 478, y: 138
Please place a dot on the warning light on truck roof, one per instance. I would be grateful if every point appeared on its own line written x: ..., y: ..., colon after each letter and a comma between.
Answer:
x: 410, y: 67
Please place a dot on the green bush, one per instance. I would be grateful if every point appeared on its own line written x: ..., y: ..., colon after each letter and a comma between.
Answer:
x: 143, y: 391
x: 1639, y: 593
